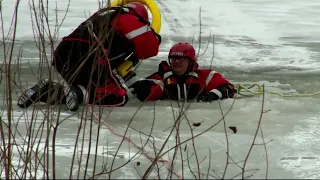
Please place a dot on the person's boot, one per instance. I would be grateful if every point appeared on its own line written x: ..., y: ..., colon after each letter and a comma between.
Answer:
x: 75, y: 97
x: 40, y: 92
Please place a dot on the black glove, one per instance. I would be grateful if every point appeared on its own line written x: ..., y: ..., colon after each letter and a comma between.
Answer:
x: 141, y: 89
x: 208, y: 97
x: 227, y: 91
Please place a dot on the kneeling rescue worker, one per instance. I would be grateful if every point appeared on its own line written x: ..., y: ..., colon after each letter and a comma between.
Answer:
x: 123, y: 34
x: 180, y: 79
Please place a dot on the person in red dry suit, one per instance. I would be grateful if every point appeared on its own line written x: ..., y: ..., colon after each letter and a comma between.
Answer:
x: 112, y: 39
x: 181, y: 79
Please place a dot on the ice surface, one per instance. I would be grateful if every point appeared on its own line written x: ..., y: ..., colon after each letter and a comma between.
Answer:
x: 253, y: 37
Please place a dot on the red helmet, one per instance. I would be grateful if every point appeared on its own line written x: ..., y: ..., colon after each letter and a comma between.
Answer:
x: 183, y: 49
x: 138, y: 8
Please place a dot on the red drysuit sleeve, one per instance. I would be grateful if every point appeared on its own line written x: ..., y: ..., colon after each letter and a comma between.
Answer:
x: 156, y: 90
x: 216, y: 83
x: 146, y: 43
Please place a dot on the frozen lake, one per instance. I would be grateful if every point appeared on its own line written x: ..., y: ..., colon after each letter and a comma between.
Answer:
x: 275, y: 43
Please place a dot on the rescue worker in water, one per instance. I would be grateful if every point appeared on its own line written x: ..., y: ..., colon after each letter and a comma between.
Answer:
x: 182, y: 79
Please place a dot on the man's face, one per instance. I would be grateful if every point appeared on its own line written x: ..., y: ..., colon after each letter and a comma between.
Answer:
x: 179, y: 65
